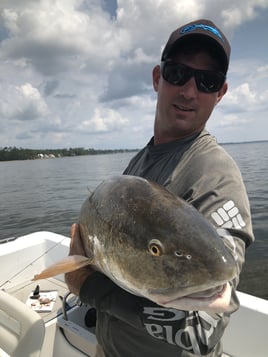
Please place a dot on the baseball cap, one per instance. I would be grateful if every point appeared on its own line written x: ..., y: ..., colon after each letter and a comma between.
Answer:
x: 200, y: 30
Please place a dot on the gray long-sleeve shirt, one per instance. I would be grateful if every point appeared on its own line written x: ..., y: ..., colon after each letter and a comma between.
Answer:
x: 198, y: 170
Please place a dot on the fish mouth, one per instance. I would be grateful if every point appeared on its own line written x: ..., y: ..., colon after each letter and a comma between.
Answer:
x: 204, y: 295
x: 209, y: 293
x: 214, y: 300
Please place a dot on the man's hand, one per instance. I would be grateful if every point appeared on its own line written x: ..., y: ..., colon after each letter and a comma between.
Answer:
x: 76, y: 245
x: 75, y: 279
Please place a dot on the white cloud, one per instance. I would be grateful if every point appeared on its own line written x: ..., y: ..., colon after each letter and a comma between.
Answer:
x: 262, y: 72
x: 29, y: 103
x: 237, y: 12
x: 242, y: 96
x: 55, y: 36
x: 103, y: 120
x: 232, y: 121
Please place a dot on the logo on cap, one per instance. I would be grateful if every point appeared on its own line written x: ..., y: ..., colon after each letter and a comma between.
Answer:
x: 190, y: 28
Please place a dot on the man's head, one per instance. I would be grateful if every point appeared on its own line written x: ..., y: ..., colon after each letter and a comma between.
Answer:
x: 190, y: 80
x: 207, y: 35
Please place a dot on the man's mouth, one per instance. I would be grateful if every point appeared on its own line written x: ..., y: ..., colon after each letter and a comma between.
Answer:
x: 182, y: 108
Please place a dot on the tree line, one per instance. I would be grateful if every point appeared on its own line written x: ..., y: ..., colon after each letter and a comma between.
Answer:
x: 14, y: 153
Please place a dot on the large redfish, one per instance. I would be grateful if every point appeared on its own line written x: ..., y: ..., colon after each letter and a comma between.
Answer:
x: 153, y: 244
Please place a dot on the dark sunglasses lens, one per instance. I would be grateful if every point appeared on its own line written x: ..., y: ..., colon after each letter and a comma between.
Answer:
x: 175, y: 74
x: 209, y: 82
x: 206, y: 81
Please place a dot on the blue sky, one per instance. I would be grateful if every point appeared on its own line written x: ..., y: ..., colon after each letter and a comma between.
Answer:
x: 77, y: 73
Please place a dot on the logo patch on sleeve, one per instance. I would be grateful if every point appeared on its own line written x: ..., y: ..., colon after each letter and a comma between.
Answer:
x: 228, y: 216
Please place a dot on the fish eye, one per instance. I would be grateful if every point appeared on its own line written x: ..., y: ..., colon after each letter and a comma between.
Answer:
x: 155, y: 248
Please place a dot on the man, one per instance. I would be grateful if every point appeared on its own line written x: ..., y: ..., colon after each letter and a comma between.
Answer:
x: 186, y: 159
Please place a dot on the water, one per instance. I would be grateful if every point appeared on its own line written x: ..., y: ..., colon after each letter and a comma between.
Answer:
x: 252, y: 159
x: 47, y: 195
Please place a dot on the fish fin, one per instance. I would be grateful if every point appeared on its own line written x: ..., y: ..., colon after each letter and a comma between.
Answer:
x: 66, y: 265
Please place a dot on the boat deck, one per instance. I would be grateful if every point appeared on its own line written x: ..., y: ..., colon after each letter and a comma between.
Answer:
x: 23, y: 291
x: 66, y: 332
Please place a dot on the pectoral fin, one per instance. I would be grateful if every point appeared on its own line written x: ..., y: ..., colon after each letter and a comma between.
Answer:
x: 66, y: 265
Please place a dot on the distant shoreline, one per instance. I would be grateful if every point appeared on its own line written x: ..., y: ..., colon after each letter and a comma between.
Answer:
x: 14, y: 154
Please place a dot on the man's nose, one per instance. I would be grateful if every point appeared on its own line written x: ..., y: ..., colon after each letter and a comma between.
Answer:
x: 189, y: 89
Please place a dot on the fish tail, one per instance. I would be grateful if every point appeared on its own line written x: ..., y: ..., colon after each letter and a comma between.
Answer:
x: 66, y: 265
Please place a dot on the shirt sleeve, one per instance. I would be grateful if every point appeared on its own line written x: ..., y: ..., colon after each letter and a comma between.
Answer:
x: 210, y: 180
x: 103, y: 294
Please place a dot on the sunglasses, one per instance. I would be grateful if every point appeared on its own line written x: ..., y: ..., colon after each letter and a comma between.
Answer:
x: 178, y: 74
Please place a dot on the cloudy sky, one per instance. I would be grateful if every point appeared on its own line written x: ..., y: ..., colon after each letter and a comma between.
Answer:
x: 77, y: 73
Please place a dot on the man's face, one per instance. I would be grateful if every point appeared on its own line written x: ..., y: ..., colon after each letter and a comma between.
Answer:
x: 183, y: 110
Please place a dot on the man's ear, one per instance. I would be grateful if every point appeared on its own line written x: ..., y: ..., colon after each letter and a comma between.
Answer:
x: 222, y: 92
x: 156, y: 77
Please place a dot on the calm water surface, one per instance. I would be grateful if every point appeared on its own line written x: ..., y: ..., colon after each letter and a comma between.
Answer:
x: 47, y: 195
